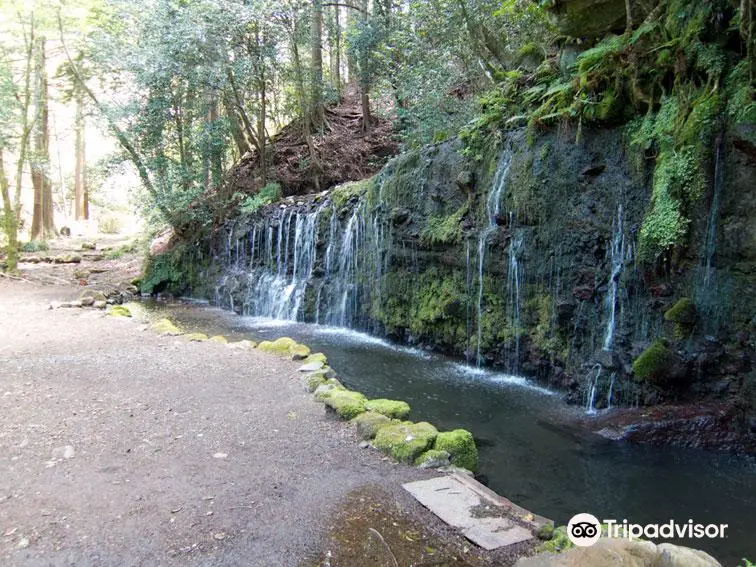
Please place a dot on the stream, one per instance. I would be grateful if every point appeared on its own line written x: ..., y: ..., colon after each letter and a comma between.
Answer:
x: 529, y: 450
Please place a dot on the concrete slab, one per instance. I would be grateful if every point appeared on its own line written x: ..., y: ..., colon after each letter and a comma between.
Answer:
x: 484, y: 517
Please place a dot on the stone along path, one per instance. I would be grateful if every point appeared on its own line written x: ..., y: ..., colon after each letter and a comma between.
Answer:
x: 122, y: 447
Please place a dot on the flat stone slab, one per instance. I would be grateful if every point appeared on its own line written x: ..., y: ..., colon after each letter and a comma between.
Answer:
x: 483, y: 517
x: 311, y: 366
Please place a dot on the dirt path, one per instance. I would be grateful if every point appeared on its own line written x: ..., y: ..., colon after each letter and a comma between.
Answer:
x: 121, y: 447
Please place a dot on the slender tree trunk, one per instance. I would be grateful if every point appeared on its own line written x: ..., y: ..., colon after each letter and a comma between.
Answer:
x: 81, y: 205
x: 12, y: 206
x: 335, y: 49
x: 43, y: 225
x: 10, y: 220
x: 316, y: 113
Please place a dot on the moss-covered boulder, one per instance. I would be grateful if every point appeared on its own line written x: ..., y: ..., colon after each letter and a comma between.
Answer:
x: 89, y: 296
x: 345, y: 403
x: 461, y: 446
x: 316, y: 357
x: 312, y: 381
x: 369, y: 423
x: 405, y: 441
x: 299, y: 351
x: 196, y: 337
x: 244, y: 344
x: 119, y: 311
x: 654, y: 362
x: 165, y: 327
x: 683, y: 312
x: 218, y: 339
x: 324, y: 391
x: 396, y: 409
x: 433, y: 459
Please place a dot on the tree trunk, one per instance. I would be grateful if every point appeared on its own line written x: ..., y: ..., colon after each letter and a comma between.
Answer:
x: 43, y: 225
x: 81, y: 200
x: 316, y: 77
x: 10, y: 220
x: 335, y: 50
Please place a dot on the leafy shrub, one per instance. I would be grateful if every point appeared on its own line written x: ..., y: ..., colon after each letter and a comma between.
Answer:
x: 265, y: 196
x: 35, y: 246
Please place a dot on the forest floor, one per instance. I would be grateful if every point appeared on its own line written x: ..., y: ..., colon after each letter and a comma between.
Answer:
x: 122, y: 447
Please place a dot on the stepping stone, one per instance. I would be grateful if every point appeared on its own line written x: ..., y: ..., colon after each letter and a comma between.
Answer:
x: 483, y: 517
x: 311, y: 366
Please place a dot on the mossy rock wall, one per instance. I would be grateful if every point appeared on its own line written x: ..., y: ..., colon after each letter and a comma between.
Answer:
x: 409, y: 268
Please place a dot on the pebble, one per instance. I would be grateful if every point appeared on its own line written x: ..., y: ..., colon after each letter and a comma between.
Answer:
x: 220, y: 455
x: 23, y: 543
x: 64, y: 452
x: 364, y: 445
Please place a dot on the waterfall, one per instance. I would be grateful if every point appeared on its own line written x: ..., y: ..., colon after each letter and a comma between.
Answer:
x: 617, y: 260
x: 277, y: 289
x: 590, y: 406
x: 611, y: 390
x: 707, y: 288
x: 515, y: 280
x: 493, y: 204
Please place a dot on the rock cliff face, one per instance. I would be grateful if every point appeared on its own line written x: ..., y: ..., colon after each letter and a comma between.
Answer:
x: 524, y: 260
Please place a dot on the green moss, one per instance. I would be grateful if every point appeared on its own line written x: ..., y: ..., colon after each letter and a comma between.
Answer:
x: 653, y: 362
x: 299, y: 352
x: 558, y: 542
x: 312, y: 381
x: 119, y: 311
x: 341, y: 194
x: 218, y: 339
x: 405, y: 441
x: 461, y: 446
x: 324, y: 391
x: 545, y: 532
x: 315, y: 357
x: 441, y: 229
x: 165, y: 327
x: 369, y: 423
x: 345, y: 403
x: 433, y: 458
x: 683, y: 311
x: 196, y: 337
x: 390, y: 408
x: 281, y: 346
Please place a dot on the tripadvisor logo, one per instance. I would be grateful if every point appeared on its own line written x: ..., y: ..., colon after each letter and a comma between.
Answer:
x: 584, y: 530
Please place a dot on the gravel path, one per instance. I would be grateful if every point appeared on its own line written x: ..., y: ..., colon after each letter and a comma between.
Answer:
x: 120, y: 447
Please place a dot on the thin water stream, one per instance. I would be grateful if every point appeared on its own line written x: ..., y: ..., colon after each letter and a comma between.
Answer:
x: 529, y: 452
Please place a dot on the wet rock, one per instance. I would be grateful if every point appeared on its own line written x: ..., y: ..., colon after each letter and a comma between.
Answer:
x: 396, y: 409
x: 465, y: 180
x: 406, y: 441
x: 244, y: 344
x: 100, y: 304
x: 220, y: 339
x: 369, y: 423
x: 89, y: 246
x: 400, y: 216
x: 607, y: 359
x: 299, y: 352
x: 583, y: 292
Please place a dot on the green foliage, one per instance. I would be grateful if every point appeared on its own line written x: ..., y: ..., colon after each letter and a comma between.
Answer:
x: 558, y: 542
x: 248, y: 205
x: 35, y: 246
